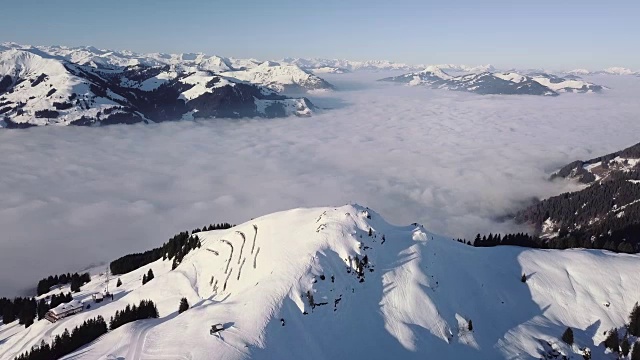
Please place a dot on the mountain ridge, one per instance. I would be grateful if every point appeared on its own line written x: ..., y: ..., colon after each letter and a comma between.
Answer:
x: 39, y: 90
x: 317, y: 281
x: 484, y: 83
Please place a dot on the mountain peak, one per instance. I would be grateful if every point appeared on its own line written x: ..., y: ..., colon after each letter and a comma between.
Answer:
x: 311, y: 282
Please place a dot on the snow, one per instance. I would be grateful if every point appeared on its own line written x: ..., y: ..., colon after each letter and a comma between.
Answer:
x: 465, y: 68
x: 200, y: 80
x: 510, y: 76
x: 296, y: 107
x: 280, y: 78
x: 329, y: 70
x: 562, y: 86
x: 619, y: 71
x: 31, y: 67
x: 616, y: 70
x: 73, y: 304
x: 375, y: 65
x: 436, y: 71
x: 153, y: 83
x: 549, y: 229
x: 579, y: 72
x: 448, y: 284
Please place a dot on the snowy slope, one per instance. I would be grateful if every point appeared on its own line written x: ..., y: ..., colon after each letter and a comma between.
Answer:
x: 559, y: 84
x: 350, y: 65
x: 465, y: 68
x: 316, y: 65
x: 418, y: 294
x: 111, y: 59
x: 616, y: 70
x: 38, y: 89
x: 287, y: 76
x: 281, y: 78
x: 496, y: 82
x: 479, y: 83
x: 329, y: 70
x: 620, y: 71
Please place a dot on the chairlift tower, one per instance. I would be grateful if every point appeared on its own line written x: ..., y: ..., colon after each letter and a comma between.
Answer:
x: 108, y: 276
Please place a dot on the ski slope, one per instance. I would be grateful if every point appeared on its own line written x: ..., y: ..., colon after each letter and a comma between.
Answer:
x: 418, y: 294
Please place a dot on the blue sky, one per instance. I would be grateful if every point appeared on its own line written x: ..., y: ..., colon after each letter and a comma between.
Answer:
x: 553, y: 34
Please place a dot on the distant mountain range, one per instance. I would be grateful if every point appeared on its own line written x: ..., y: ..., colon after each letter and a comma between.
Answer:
x: 58, y: 85
x: 89, y: 55
x: 607, y: 71
x: 508, y: 83
x: 88, y: 86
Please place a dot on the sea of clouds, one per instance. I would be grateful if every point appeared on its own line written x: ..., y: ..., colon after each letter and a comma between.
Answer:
x: 71, y: 197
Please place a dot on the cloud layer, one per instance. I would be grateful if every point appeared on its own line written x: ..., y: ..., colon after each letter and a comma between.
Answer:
x: 71, y: 197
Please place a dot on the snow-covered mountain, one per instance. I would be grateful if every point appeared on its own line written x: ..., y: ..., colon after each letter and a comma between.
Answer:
x: 607, y: 71
x: 39, y: 89
x: 186, y: 62
x: 281, y: 78
x: 316, y: 65
x: 604, y: 213
x: 602, y: 167
x: 349, y: 65
x: 465, y: 68
x: 342, y: 283
x: 329, y: 70
x: 496, y: 82
x: 578, y: 72
x: 620, y: 71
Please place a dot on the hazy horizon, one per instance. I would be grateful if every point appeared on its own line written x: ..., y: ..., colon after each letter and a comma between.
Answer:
x: 506, y: 34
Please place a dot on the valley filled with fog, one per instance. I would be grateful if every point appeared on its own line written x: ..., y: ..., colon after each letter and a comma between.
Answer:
x: 452, y: 161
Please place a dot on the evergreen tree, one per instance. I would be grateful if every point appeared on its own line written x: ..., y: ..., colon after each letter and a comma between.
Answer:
x: 634, y: 321
x: 612, y: 341
x: 145, y: 310
x: 144, y: 279
x: 44, y: 286
x: 149, y: 275
x: 118, y: 283
x: 470, y: 325
x: 370, y: 232
x: 67, y: 342
x: 28, y: 312
x: 75, y: 284
x: 523, y: 278
x: 184, y: 305
x: 635, y: 353
x: 625, y: 347
x: 8, y: 313
x: 43, y: 307
x: 567, y: 336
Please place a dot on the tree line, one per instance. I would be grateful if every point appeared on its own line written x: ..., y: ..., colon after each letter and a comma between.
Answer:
x: 26, y: 310
x: 605, y: 215
x: 176, y: 248
x: 68, y: 342
x: 220, y: 226
x: 606, y: 242
x: 145, y: 310
x: 76, y: 280
x: 90, y: 330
